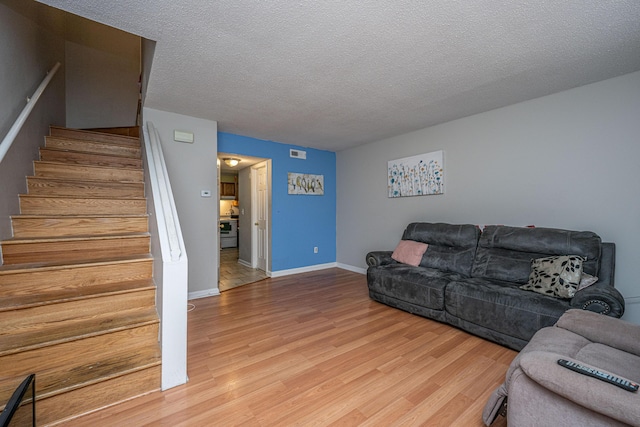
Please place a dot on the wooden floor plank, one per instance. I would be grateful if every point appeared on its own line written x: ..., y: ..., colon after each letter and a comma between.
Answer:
x: 313, y: 349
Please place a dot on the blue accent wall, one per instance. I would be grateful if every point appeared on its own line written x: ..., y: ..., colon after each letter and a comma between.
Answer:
x: 299, y: 222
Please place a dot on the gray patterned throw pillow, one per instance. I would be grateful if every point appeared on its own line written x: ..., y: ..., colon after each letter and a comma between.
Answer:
x: 557, y: 276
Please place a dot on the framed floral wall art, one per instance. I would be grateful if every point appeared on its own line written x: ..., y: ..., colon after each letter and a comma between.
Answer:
x: 419, y: 175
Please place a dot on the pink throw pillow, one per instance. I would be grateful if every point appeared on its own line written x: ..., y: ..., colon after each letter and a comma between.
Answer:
x: 409, y: 252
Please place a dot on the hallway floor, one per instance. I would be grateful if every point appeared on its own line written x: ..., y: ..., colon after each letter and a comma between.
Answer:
x: 233, y: 274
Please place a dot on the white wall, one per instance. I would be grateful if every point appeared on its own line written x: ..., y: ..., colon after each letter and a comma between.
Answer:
x: 192, y: 168
x: 147, y: 51
x: 103, y: 69
x: 30, y: 45
x: 567, y: 160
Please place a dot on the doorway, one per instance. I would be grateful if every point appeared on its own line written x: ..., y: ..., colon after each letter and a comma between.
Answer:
x: 260, y: 240
x: 242, y: 202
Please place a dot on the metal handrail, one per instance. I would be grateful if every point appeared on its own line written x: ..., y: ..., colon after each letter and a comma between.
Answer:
x: 166, y: 200
x: 31, y: 102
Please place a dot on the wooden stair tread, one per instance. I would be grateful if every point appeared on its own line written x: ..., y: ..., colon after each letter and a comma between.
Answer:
x: 87, y: 368
x: 88, y: 181
x: 72, y: 330
x: 106, y: 370
x: 67, y: 406
x: 90, y: 172
x: 23, y: 281
x: 79, y: 187
x: 89, y: 153
x: 71, y: 157
x: 82, y: 205
x: 83, y: 361
x: 17, y: 241
x: 73, y: 248
x: 44, y: 186
x: 56, y: 296
x: 81, y: 216
x: 40, y: 318
x: 97, y: 197
x: 73, y: 205
x: 90, y: 143
x: 36, y: 226
x: 92, y: 135
x: 54, y: 178
x: 78, y: 165
x: 133, y: 131
x: 43, y: 266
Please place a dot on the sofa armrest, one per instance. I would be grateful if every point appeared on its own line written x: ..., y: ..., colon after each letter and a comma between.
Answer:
x: 600, y: 298
x: 588, y: 392
x: 607, y: 264
x: 377, y: 258
x: 615, y: 333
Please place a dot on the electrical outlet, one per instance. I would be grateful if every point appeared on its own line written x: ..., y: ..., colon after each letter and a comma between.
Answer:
x: 315, y: 249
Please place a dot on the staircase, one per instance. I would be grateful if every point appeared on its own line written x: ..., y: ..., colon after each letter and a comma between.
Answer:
x: 77, y: 298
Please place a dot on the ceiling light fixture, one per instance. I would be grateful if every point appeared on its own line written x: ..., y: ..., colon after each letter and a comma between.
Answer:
x: 231, y: 162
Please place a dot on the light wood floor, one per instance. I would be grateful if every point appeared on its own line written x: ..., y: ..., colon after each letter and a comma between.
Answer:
x: 313, y: 349
x: 234, y: 274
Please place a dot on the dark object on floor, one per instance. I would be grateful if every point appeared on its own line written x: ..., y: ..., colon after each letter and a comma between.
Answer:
x: 20, y: 410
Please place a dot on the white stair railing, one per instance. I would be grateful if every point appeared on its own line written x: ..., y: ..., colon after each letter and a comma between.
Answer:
x: 31, y: 102
x: 173, y: 273
x: 164, y: 188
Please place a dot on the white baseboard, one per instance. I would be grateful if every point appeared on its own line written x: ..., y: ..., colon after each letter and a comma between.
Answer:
x: 203, y: 294
x: 299, y: 270
x: 244, y: 263
x: 281, y: 273
x: 352, y: 268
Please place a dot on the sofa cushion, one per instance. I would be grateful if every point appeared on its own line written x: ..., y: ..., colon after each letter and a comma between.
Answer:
x: 451, y: 246
x: 556, y: 276
x: 409, y: 252
x: 505, y: 253
x: 587, y: 280
x: 417, y: 285
x: 502, y: 306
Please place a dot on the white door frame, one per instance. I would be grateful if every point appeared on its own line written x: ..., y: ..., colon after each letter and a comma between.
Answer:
x: 254, y: 216
x: 218, y: 218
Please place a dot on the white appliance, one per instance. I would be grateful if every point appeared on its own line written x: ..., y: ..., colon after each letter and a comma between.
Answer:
x: 228, y: 233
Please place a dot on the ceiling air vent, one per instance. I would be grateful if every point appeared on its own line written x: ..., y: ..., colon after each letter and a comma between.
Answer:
x: 297, y: 154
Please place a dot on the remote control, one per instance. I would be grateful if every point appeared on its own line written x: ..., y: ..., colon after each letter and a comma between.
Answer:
x: 620, y: 382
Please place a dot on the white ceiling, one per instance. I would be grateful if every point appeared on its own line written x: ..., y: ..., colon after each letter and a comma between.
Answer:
x: 333, y: 74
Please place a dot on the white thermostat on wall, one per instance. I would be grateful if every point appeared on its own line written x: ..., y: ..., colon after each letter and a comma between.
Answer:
x: 183, y: 136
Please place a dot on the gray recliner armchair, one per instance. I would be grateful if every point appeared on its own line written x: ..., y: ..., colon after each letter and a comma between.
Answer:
x: 539, y: 392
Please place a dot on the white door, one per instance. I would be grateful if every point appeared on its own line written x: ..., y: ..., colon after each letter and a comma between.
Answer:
x: 218, y: 217
x: 261, y: 216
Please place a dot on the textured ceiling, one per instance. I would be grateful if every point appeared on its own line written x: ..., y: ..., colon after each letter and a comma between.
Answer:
x: 334, y: 74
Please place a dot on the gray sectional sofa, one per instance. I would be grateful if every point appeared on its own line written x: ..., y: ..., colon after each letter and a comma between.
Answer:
x: 471, y: 279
